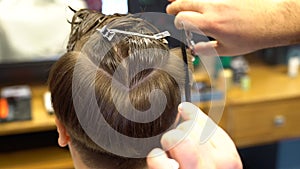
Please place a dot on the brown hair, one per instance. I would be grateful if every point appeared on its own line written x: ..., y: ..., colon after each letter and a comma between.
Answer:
x: 84, y: 50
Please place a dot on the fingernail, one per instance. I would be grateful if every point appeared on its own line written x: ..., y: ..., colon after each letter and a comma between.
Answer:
x: 156, y: 152
x: 209, y: 44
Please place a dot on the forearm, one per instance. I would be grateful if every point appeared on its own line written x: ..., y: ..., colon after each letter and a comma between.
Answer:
x: 286, y: 23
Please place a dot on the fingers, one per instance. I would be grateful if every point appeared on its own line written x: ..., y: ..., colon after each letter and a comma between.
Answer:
x: 192, y: 130
x: 158, y: 159
x: 222, y: 141
x: 189, y: 111
x: 192, y: 21
x: 198, y: 126
x: 183, y: 145
x: 184, y: 5
x: 198, y: 24
x: 190, y: 16
x: 184, y: 151
x: 214, y: 48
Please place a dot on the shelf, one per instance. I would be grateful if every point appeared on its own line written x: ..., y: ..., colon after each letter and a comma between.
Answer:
x: 267, y: 83
x: 41, y: 120
x: 46, y: 158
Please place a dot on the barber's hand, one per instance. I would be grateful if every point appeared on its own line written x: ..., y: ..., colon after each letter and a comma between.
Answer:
x: 239, y: 26
x: 183, y: 145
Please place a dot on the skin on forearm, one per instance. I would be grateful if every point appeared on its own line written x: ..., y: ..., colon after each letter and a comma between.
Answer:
x: 271, y: 23
x: 277, y: 23
x: 290, y: 19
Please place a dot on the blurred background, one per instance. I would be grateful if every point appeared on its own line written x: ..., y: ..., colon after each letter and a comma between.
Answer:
x: 262, y: 92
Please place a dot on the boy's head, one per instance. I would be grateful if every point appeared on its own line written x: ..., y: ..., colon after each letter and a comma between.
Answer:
x: 125, y: 77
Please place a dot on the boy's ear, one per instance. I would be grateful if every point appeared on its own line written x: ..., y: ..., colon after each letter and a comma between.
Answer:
x: 63, y: 136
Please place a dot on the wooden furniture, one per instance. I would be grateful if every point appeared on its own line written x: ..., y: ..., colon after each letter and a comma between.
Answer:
x: 268, y: 112
x: 41, y: 120
x: 52, y: 157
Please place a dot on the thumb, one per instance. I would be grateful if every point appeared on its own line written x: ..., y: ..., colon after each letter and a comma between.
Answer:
x: 158, y: 159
